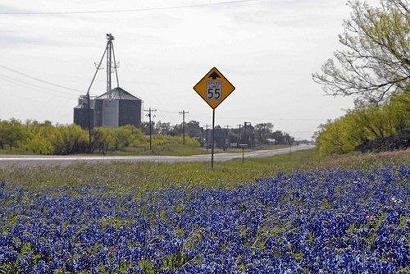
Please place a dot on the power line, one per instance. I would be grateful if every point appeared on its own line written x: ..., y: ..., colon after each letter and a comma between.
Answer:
x: 33, y: 87
x: 126, y: 10
x: 38, y: 79
x: 30, y: 85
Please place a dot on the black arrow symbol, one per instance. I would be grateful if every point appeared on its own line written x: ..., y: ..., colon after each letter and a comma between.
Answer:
x: 214, y: 75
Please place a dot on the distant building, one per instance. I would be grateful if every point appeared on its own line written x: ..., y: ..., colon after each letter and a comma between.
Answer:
x: 112, y: 109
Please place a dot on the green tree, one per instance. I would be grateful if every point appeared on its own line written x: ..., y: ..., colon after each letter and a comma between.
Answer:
x: 374, y: 62
x: 194, y: 129
x: 163, y: 128
x: 39, y: 138
x: 263, y: 132
x: 12, y: 133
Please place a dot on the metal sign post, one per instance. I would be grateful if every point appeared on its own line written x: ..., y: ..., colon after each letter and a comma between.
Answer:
x: 213, y: 138
x: 214, y: 88
x: 243, y: 146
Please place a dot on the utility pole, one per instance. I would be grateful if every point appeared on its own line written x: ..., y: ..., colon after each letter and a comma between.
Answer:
x: 239, y: 134
x: 183, y: 112
x: 226, y: 136
x: 206, y: 135
x: 246, y: 125
x: 149, y: 114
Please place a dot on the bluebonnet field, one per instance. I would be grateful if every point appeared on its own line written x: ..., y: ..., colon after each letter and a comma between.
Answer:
x: 328, y: 220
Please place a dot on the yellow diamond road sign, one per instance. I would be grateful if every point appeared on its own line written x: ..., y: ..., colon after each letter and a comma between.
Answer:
x: 214, y: 88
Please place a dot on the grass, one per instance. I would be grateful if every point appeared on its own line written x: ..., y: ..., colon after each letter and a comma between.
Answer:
x: 163, y: 150
x: 269, y: 147
x: 168, y: 150
x: 14, y: 152
x: 144, y: 176
x: 239, y: 150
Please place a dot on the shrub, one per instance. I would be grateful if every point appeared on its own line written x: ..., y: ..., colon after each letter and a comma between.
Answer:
x: 38, y: 144
x: 395, y: 142
x: 103, y: 139
x: 69, y: 139
x: 382, y: 127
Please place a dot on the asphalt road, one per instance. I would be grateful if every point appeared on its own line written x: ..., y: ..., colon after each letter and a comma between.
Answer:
x: 38, y: 160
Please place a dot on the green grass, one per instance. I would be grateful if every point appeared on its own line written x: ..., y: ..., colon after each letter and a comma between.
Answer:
x: 239, y: 150
x: 145, y: 176
x: 14, y: 152
x: 163, y: 150
x: 168, y: 150
x: 270, y: 147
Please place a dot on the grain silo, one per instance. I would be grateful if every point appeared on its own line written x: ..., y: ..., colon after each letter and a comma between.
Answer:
x: 117, y: 108
x: 114, y: 108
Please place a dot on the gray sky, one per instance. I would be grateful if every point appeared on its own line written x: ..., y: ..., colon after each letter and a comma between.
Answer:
x: 267, y: 49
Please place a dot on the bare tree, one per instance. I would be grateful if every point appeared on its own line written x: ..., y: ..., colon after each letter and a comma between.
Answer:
x: 375, y: 60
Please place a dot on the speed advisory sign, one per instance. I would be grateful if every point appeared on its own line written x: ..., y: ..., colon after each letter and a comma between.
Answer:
x: 214, y: 88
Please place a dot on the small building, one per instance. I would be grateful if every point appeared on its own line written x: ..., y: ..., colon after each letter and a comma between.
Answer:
x: 112, y: 109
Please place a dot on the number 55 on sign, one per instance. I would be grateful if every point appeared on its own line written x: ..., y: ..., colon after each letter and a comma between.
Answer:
x: 214, y: 88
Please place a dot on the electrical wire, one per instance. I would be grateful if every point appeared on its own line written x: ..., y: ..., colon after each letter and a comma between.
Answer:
x: 126, y: 10
x: 39, y: 80
x: 29, y: 85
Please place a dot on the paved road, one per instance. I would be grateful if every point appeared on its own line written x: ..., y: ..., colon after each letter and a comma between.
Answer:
x: 34, y: 160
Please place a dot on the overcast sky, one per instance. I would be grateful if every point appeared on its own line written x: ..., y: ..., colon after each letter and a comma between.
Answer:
x: 268, y: 49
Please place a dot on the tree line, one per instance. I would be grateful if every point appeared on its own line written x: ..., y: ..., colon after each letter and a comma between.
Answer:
x: 46, y: 138
x: 252, y: 136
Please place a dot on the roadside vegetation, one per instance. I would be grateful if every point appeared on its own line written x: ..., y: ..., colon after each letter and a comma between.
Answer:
x: 45, y: 138
x: 32, y: 137
x: 369, y: 128
x: 147, y: 176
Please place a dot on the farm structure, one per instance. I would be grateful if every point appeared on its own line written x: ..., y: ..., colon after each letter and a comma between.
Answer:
x: 111, y: 109
x: 116, y: 107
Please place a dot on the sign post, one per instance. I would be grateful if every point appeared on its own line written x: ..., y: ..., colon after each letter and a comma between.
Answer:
x: 214, y: 88
x: 243, y: 146
x: 213, y: 138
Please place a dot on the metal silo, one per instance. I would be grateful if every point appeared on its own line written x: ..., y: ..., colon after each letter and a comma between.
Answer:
x: 118, y: 108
